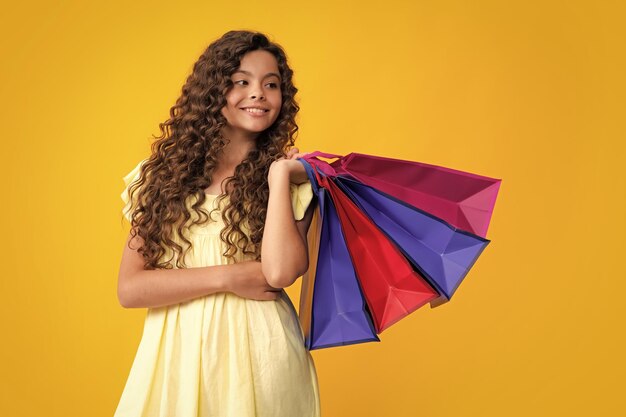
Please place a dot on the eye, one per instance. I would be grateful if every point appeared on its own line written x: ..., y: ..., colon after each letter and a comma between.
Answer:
x: 272, y: 85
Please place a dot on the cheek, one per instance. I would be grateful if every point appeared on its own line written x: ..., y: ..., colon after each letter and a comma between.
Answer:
x: 279, y: 101
x: 230, y: 108
x: 229, y: 111
x: 277, y: 114
x: 230, y: 102
x: 232, y: 98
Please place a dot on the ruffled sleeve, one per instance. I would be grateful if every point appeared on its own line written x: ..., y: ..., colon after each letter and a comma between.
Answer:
x: 130, y: 178
x: 301, y: 197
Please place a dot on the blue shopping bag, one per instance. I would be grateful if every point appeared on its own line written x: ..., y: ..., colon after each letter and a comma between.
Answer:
x: 333, y: 311
x: 441, y: 253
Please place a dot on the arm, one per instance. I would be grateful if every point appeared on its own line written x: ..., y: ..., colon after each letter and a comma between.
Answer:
x: 141, y: 288
x: 284, y: 252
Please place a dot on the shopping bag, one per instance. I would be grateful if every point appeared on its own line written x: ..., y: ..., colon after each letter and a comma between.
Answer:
x: 441, y: 253
x: 392, y: 287
x: 333, y: 311
x: 464, y: 200
x: 376, y: 224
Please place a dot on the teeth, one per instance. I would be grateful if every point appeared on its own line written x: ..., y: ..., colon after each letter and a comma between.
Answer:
x: 255, y: 110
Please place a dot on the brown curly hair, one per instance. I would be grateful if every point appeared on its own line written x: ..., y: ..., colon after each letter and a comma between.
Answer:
x: 185, y: 156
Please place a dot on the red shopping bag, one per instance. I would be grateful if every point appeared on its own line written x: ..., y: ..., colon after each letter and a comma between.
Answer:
x: 392, y: 288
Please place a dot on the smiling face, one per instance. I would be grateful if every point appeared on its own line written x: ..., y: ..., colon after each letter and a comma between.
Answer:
x: 254, y: 101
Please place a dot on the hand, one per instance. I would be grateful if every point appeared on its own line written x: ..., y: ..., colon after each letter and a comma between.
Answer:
x: 290, y: 166
x: 294, y: 153
x: 248, y: 281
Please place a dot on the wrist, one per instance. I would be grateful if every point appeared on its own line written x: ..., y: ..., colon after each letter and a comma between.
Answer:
x: 278, y: 174
x: 225, y: 277
x: 290, y: 169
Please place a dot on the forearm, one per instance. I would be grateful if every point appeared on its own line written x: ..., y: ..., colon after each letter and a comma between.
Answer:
x: 160, y: 287
x: 283, y: 253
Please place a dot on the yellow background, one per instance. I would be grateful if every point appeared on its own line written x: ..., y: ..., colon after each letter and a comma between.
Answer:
x: 528, y: 91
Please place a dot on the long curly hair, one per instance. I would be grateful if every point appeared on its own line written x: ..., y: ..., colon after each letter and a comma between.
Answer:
x: 185, y: 155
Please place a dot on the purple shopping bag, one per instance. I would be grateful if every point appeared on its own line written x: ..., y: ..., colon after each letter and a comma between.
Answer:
x: 333, y: 311
x: 441, y: 253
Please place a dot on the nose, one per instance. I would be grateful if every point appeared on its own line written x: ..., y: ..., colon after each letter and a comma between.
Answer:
x: 257, y: 92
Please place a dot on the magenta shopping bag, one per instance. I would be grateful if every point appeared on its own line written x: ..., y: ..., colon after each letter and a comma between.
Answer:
x: 463, y: 199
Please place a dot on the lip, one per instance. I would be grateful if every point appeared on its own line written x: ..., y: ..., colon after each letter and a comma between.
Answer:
x: 255, y: 114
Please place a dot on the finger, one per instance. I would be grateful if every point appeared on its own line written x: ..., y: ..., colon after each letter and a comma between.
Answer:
x: 270, y: 295
x: 296, y: 154
x: 292, y: 151
x: 274, y: 295
x: 299, y: 155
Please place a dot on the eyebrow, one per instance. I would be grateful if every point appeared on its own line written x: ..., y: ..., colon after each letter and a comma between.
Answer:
x: 266, y: 75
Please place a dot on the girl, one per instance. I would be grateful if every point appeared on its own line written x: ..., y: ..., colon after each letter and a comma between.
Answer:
x: 219, y: 214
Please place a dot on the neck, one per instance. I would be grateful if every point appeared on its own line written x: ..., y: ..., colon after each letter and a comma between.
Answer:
x: 238, y: 146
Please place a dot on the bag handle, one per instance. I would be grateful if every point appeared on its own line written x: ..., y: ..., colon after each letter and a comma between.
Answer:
x: 311, y: 173
x: 323, y: 166
x: 318, y: 179
x: 322, y: 154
